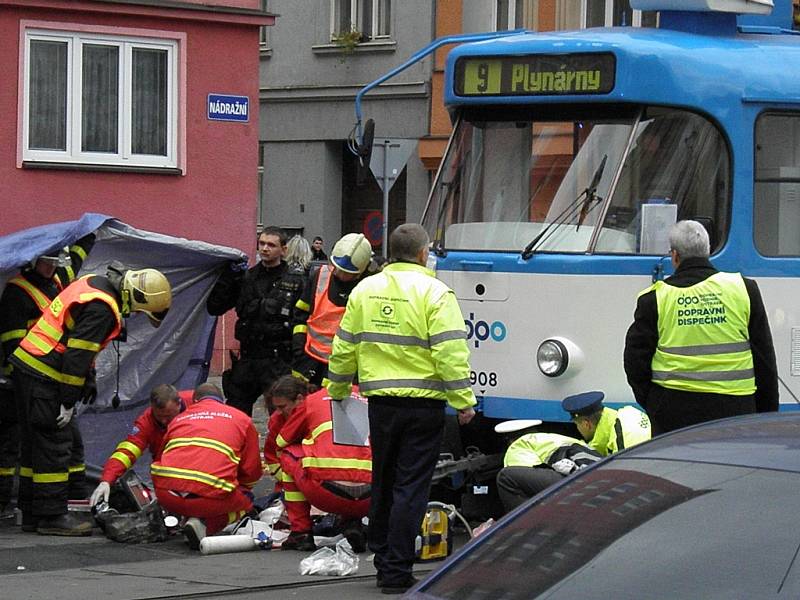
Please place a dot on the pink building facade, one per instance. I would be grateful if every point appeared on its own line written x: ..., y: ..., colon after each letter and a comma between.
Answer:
x: 145, y: 111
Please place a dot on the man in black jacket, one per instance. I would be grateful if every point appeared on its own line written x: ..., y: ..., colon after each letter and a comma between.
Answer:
x: 264, y: 298
x: 700, y: 346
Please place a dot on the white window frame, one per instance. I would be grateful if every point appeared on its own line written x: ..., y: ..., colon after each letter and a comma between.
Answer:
x: 124, y: 156
x: 355, y: 19
x: 511, y: 17
x: 609, y: 15
x: 263, y: 32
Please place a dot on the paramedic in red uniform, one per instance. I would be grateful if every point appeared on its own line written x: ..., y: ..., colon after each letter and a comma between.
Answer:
x: 210, y: 462
x: 147, y: 434
x: 313, y: 470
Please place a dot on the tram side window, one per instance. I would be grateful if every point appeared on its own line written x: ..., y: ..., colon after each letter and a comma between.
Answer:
x: 776, y: 194
x: 678, y: 160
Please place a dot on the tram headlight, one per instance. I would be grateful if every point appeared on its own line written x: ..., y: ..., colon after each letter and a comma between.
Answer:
x: 559, y: 357
x: 552, y: 357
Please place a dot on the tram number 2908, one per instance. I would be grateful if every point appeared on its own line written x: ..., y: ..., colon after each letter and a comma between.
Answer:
x: 483, y: 378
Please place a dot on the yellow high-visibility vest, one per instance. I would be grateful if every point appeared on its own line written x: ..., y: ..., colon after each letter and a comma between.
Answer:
x: 703, y: 340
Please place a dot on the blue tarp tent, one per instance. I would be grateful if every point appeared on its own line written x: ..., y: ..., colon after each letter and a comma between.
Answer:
x: 177, y: 352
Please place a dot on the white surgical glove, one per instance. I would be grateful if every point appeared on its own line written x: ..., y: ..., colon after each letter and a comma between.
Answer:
x: 64, y: 416
x: 564, y: 466
x: 100, y: 494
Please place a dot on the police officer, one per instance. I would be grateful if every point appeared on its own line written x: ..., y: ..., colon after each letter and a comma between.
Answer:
x: 51, y: 365
x: 535, y: 461
x: 264, y: 298
x: 700, y: 346
x: 606, y: 430
x: 403, y: 335
x: 320, y: 308
x: 24, y: 299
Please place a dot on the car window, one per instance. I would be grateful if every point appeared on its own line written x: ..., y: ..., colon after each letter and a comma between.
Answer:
x: 641, y: 529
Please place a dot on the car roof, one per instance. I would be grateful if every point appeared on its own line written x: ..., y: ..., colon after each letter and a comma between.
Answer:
x: 767, y: 441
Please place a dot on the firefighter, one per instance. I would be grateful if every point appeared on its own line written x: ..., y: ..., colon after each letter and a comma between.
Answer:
x: 210, y: 462
x: 264, y: 297
x: 535, y: 461
x: 51, y: 367
x: 403, y: 335
x: 334, y: 478
x: 147, y: 433
x: 606, y: 430
x: 700, y: 346
x: 24, y: 299
x: 319, y: 310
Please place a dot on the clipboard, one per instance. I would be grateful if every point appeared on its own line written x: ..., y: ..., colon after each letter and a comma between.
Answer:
x: 350, y: 421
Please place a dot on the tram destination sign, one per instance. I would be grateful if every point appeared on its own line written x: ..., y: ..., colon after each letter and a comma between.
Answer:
x: 537, y: 75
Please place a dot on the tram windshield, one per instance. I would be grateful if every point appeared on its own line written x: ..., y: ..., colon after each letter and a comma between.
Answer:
x: 610, y: 185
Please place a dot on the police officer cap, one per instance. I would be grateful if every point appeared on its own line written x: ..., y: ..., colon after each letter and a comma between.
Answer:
x: 583, y: 404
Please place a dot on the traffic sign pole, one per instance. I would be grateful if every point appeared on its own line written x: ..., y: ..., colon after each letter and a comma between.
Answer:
x: 396, y: 153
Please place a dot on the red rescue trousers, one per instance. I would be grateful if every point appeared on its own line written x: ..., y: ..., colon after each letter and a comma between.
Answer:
x: 306, y: 490
x: 215, y: 512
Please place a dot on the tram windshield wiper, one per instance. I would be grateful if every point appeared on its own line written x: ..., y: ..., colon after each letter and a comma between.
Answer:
x: 581, y: 206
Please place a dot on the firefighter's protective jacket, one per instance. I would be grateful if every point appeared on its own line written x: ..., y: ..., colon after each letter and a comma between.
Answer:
x: 210, y: 449
x: 620, y: 429
x: 324, y: 320
x: 146, y: 434
x: 28, y: 294
x: 310, y: 424
x: 403, y: 335
x: 64, y: 342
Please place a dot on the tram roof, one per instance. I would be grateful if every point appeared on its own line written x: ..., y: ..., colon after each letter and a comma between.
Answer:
x: 658, y: 66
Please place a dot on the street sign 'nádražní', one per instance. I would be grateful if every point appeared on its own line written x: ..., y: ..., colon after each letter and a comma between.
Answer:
x: 223, y: 107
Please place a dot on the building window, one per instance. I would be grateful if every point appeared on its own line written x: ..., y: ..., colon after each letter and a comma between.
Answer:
x: 509, y: 14
x: 263, y: 32
x: 612, y: 13
x: 100, y: 99
x: 370, y: 18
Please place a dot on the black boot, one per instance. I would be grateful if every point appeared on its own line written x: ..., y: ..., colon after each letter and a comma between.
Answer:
x: 66, y: 524
x: 355, y: 536
x: 303, y: 541
x: 29, y: 522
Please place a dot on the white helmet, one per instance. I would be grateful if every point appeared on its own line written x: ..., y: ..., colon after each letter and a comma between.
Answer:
x: 147, y: 291
x: 57, y: 260
x: 352, y: 253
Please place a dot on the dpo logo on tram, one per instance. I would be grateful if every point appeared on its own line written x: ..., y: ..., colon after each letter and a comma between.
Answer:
x: 481, y: 331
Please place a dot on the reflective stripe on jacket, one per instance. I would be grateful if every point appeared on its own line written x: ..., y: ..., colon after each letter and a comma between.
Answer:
x: 43, y: 348
x: 39, y: 299
x: 210, y: 449
x: 620, y: 429
x: 403, y: 334
x: 322, y: 324
x: 534, y: 449
x: 310, y: 424
x: 146, y: 434
x: 703, y: 340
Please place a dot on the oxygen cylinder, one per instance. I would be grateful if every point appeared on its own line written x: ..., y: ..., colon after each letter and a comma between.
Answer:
x: 222, y: 544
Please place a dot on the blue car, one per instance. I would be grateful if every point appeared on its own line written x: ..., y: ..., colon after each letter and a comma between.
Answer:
x: 707, y: 512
